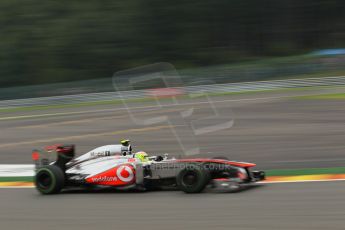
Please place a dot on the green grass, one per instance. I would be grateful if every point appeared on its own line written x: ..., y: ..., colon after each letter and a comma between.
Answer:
x: 17, y: 179
x: 116, y: 102
x: 109, y: 102
x: 71, y: 105
x: 335, y: 96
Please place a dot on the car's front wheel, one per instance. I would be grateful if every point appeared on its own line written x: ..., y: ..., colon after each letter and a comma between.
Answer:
x: 193, y: 178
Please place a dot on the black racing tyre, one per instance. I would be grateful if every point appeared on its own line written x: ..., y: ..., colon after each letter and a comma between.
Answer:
x: 193, y: 178
x: 49, y: 179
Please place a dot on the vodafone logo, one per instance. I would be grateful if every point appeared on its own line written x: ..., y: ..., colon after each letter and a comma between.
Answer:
x: 125, y: 173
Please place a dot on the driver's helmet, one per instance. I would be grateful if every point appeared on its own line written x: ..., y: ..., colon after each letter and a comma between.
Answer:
x: 142, y: 156
x: 125, y: 142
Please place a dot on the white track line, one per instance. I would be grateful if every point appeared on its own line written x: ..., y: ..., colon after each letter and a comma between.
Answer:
x: 16, y: 170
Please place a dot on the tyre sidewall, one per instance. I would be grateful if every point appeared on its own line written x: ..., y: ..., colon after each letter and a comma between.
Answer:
x: 202, y: 176
x: 56, y: 176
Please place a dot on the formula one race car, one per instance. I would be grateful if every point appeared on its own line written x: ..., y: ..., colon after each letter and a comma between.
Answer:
x: 117, y: 167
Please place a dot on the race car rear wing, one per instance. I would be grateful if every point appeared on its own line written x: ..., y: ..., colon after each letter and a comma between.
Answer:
x: 64, y: 153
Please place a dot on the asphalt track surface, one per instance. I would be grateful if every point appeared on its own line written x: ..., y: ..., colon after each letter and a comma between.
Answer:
x: 313, y: 205
x: 271, y: 129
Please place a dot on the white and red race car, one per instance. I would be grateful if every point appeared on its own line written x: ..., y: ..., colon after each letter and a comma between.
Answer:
x: 115, y: 166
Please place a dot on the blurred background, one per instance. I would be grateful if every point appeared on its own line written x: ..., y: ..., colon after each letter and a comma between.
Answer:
x: 292, y: 125
x: 84, y: 43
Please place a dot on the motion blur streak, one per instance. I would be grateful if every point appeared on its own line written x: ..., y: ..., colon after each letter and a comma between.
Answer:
x: 63, y: 65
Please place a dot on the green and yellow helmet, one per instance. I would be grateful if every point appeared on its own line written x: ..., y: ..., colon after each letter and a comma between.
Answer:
x: 125, y: 142
x: 142, y: 156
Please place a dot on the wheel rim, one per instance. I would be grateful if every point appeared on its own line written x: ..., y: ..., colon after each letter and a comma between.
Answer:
x: 44, y: 180
x: 190, y: 178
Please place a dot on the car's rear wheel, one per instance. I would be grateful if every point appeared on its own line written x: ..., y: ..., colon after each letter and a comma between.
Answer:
x: 49, y: 179
x: 193, y: 178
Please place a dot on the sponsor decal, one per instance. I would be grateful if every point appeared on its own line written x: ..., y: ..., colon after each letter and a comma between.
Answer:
x: 125, y: 173
x: 104, y: 179
x: 117, y: 176
x: 100, y: 154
